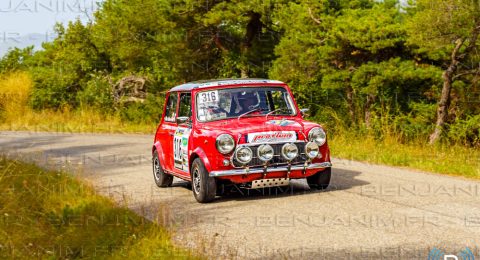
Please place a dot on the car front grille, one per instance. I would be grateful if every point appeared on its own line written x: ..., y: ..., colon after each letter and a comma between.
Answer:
x: 277, y: 159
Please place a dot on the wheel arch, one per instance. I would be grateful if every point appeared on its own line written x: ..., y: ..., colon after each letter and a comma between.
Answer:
x: 158, y: 147
x: 199, y: 153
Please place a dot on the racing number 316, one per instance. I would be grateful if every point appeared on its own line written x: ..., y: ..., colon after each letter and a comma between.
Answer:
x: 209, y: 96
x: 177, y: 148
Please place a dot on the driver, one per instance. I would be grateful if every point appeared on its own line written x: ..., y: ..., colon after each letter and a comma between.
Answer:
x: 246, y: 101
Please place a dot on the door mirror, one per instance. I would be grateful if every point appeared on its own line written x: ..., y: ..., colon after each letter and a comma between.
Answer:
x: 304, y: 112
x: 183, y: 120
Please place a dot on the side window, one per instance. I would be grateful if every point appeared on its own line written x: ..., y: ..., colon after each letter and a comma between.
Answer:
x: 171, y: 110
x: 185, y: 105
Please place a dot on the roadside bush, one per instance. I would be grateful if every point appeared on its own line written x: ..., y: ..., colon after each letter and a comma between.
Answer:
x: 330, y: 119
x: 54, y: 88
x: 97, y: 93
x: 146, y: 112
x: 465, y: 131
x: 414, y: 126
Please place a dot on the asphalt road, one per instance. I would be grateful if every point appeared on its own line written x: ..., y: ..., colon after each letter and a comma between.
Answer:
x: 369, y: 212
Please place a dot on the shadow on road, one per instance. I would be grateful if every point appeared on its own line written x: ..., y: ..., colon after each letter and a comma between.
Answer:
x: 57, y: 151
x: 8, y: 144
x: 341, y: 180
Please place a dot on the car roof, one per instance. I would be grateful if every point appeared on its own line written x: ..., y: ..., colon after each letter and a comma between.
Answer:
x: 219, y: 82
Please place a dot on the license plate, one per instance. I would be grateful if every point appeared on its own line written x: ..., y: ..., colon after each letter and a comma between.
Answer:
x: 265, y: 183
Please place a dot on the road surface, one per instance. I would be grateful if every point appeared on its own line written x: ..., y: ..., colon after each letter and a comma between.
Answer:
x: 369, y: 212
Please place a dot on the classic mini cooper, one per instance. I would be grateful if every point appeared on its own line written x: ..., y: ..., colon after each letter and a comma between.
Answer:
x: 247, y: 133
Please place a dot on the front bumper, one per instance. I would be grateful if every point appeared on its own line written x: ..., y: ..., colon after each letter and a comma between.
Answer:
x: 270, y: 169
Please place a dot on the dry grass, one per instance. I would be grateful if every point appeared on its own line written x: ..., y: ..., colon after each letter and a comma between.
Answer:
x: 14, y: 94
x: 85, y: 121
x: 50, y: 215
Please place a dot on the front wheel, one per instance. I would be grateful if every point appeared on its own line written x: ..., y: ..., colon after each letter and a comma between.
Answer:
x: 320, y: 180
x: 204, y: 187
x: 161, y: 178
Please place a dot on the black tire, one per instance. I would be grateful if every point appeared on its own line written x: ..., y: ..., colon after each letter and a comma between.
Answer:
x: 204, y: 187
x: 161, y: 178
x: 320, y: 180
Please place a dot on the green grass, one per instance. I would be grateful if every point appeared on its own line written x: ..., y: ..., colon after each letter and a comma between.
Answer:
x: 50, y: 215
x: 445, y: 159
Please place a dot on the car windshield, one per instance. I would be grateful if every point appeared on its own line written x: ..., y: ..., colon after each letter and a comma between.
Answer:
x: 247, y: 101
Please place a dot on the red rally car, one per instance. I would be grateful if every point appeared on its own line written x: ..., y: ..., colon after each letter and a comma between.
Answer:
x: 245, y: 132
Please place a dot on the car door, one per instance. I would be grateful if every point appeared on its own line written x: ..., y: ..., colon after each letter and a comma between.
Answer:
x: 169, y: 126
x: 181, y: 137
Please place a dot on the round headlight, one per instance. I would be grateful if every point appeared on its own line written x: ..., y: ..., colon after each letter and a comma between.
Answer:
x: 244, y: 154
x: 289, y: 151
x: 265, y: 152
x: 317, y: 135
x: 225, y: 143
x: 312, y: 150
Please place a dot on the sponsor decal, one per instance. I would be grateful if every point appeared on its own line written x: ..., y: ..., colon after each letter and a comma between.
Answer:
x: 180, y: 148
x: 271, y: 137
x: 282, y: 122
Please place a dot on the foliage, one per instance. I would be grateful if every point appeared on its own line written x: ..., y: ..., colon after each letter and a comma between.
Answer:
x: 16, y: 59
x: 448, y: 20
x: 466, y: 131
x: 97, y: 93
x: 353, y: 59
x: 147, y: 112
x: 62, y: 69
x: 137, y: 35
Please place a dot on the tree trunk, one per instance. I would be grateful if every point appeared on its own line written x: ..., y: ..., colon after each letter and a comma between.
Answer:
x: 254, y: 28
x: 444, y: 103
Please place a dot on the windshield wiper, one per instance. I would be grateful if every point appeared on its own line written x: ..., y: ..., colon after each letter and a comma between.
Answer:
x: 275, y: 111
x: 249, y: 112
